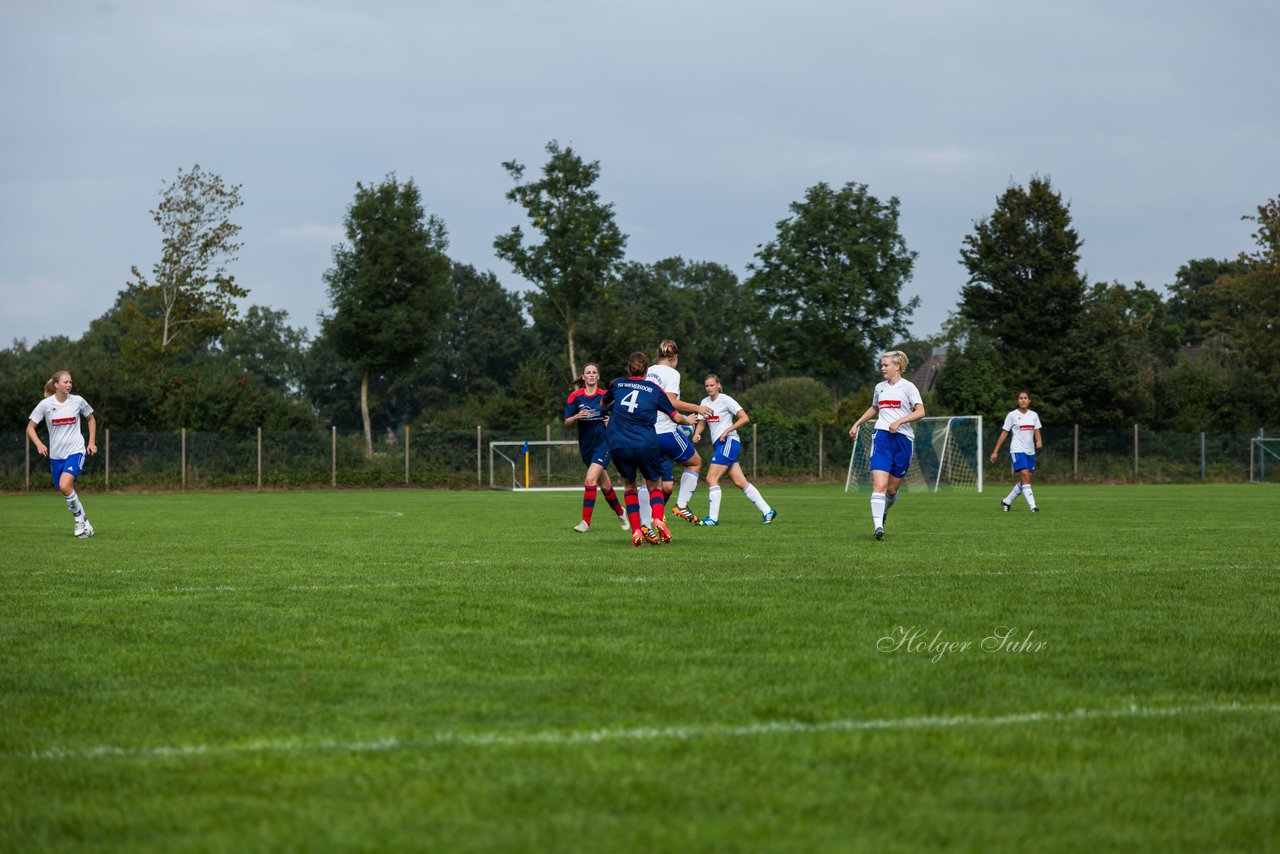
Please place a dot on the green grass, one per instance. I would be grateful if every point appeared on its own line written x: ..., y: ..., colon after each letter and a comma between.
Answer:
x: 459, y: 671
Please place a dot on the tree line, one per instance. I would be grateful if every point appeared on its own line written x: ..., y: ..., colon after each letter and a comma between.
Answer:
x: 413, y: 336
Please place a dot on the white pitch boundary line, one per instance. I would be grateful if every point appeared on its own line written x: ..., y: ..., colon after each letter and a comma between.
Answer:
x: 561, y: 738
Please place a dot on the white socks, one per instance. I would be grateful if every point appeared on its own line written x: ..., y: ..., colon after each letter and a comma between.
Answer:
x: 1031, y: 499
x: 714, y: 494
x: 688, y: 483
x: 74, y: 505
x: 1017, y: 490
x: 646, y: 511
x: 877, y: 508
x: 756, y: 498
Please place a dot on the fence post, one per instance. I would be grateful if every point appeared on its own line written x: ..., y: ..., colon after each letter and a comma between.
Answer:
x: 106, y: 452
x: 479, y: 476
x: 26, y: 473
x: 184, y: 458
x: 1135, y: 452
x: 819, y: 451
x: 1075, y: 454
x: 333, y: 457
x: 1202, y: 467
x: 259, y: 458
x: 548, y: 455
x: 406, y: 455
x: 755, y: 446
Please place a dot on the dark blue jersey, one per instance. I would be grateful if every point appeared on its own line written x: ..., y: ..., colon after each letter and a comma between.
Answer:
x: 591, y: 432
x: 636, y: 403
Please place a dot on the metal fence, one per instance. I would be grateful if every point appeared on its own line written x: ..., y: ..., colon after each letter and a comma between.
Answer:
x: 429, y: 457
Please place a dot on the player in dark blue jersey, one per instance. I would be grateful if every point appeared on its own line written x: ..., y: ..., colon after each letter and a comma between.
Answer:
x: 633, y: 443
x: 585, y: 407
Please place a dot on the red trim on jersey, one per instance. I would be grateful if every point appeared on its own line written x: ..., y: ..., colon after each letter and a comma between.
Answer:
x: 1026, y: 427
x: 885, y: 404
x: 59, y: 422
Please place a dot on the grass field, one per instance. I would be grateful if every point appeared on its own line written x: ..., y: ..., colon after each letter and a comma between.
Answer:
x: 458, y: 671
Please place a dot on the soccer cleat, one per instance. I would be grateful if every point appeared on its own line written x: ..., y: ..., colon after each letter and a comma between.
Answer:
x: 1033, y: 510
x: 637, y: 539
x: 663, y: 533
x: 879, y: 534
x: 626, y: 526
x: 582, y: 527
x: 84, y: 530
x: 708, y: 523
x: 684, y: 513
x: 1005, y: 506
x: 770, y: 516
x: 649, y: 536
x: 79, y: 531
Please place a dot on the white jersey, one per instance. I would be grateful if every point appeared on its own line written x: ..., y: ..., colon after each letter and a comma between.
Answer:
x: 63, y: 422
x: 724, y: 410
x: 666, y: 378
x: 1022, y: 427
x: 894, y: 402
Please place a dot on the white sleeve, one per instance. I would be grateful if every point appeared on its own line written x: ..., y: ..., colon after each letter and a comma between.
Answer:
x: 1008, y: 422
x: 85, y: 408
x: 37, y: 414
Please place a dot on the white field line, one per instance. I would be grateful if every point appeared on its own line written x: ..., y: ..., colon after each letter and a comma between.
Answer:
x: 569, y: 738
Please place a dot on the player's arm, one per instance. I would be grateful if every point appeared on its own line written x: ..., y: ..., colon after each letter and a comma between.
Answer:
x: 92, y: 447
x: 682, y: 406
x: 35, y: 439
x: 866, y: 416
x: 1039, y: 445
x: 740, y: 420
x: 914, y: 415
x: 1000, y: 441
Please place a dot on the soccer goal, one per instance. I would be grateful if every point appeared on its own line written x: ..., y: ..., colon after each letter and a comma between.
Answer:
x: 554, y: 466
x: 947, y: 455
x: 1264, y: 460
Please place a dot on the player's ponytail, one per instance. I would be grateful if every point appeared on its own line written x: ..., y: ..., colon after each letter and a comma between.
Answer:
x: 668, y: 350
x: 637, y: 365
x: 49, y: 386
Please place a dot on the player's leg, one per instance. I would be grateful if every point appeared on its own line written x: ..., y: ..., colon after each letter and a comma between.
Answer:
x: 606, y: 489
x: 1026, y: 484
x: 650, y: 467
x: 714, y: 472
x: 879, y: 488
x: 65, y: 474
x: 589, y: 489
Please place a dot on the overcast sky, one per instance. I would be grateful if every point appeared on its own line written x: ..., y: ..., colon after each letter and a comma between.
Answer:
x: 1159, y: 122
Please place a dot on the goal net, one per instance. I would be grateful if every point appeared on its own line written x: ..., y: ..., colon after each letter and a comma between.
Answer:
x: 536, y: 466
x: 1264, y: 460
x: 947, y: 455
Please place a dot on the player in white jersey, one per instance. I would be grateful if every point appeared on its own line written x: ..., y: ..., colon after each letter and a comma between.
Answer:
x: 1024, y: 426
x: 726, y: 418
x: 675, y: 444
x: 895, y: 405
x: 61, y: 411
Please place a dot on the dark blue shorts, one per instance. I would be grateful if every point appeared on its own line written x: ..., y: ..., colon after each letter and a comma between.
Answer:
x: 71, y: 465
x: 1024, y: 461
x: 646, y: 461
x: 890, y: 452
x: 599, y: 455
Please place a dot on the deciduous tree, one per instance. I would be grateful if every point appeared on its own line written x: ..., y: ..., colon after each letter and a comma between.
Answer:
x: 829, y: 286
x: 581, y: 247
x: 389, y: 284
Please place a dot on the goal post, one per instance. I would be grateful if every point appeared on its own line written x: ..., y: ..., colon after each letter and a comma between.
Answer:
x: 542, y: 466
x: 947, y: 455
x: 1264, y: 459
